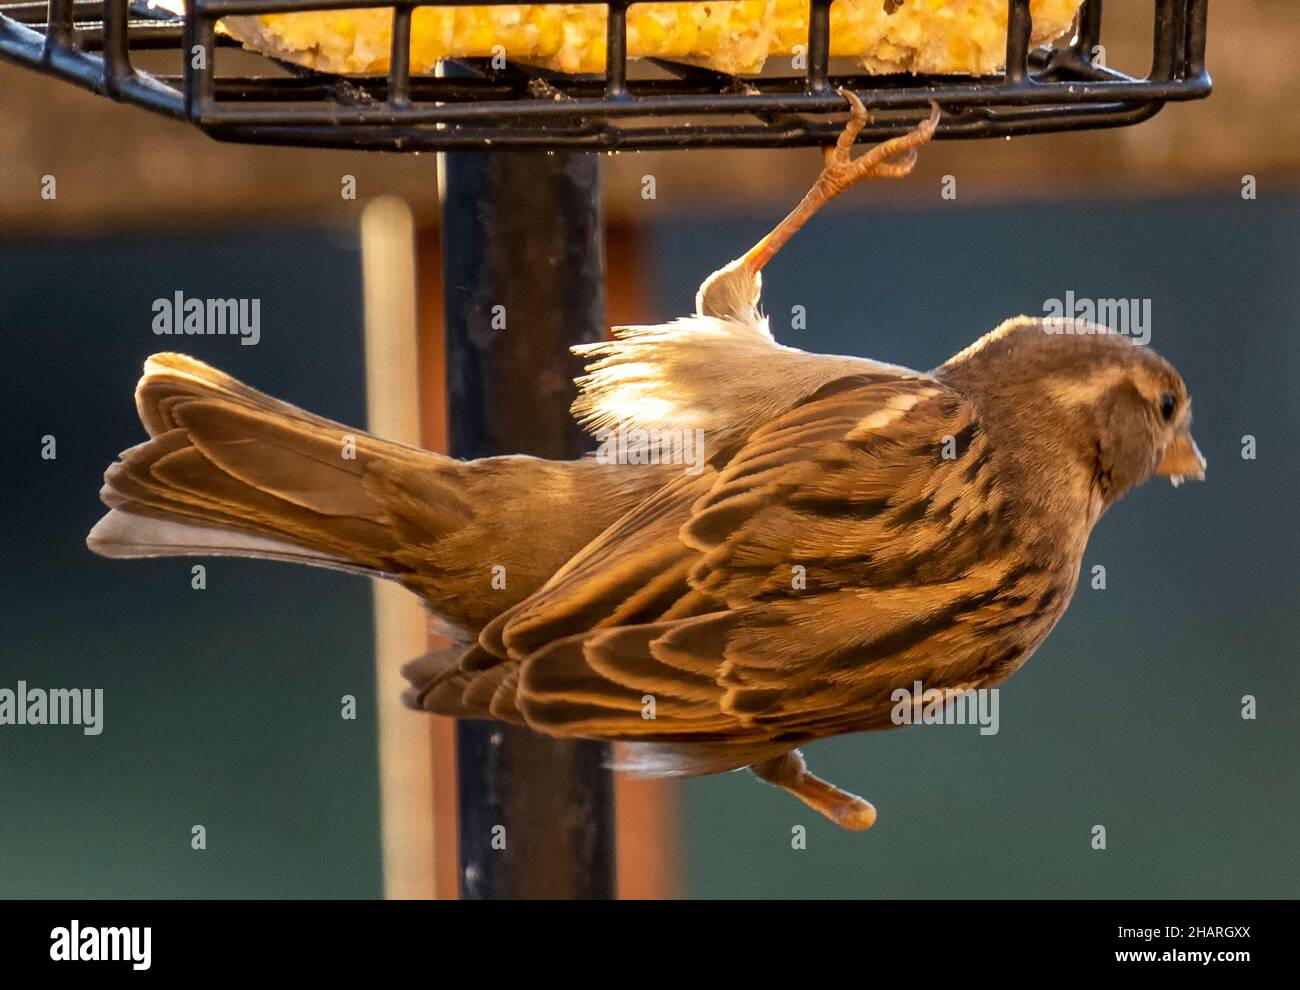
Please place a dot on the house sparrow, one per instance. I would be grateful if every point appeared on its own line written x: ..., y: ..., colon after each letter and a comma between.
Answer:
x: 855, y: 527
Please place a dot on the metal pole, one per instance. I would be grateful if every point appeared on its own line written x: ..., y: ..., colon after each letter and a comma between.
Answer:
x: 522, y: 246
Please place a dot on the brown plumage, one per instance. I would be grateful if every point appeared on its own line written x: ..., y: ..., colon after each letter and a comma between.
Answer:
x: 857, y: 527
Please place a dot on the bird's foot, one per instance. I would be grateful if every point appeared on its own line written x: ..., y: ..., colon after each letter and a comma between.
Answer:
x: 790, y: 773
x: 890, y: 159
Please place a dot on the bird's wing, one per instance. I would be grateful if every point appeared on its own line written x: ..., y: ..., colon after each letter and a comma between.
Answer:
x: 842, y: 551
x: 723, y: 376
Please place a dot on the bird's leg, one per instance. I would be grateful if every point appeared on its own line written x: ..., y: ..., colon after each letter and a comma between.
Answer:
x: 891, y: 159
x: 790, y: 772
x: 734, y: 289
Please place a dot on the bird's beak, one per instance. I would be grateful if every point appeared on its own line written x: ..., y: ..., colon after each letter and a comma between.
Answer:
x: 1182, y: 460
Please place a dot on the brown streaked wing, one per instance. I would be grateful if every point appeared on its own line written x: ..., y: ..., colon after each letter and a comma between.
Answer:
x: 831, y: 485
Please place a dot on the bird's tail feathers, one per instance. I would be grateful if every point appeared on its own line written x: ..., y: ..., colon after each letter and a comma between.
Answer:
x: 229, y: 471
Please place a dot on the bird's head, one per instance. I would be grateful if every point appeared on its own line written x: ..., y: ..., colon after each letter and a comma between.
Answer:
x: 1098, y: 410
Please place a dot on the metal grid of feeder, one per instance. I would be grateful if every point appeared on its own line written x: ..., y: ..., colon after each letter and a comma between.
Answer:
x: 94, y: 44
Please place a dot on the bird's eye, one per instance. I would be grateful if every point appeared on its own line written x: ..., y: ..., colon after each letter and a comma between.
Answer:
x: 1167, y: 403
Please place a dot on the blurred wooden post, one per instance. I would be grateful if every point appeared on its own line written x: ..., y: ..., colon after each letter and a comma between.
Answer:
x: 523, y: 279
x: 647, y: 812
x: 393, y: 412
x: 417, y: 752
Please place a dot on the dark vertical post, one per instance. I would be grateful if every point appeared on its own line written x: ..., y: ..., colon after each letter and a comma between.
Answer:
x: 523, y: 231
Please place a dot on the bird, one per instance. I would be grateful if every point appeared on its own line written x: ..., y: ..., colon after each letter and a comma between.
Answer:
x: 853, y: 527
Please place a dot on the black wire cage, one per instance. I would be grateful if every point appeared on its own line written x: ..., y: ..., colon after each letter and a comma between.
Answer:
x: 659, y: 104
